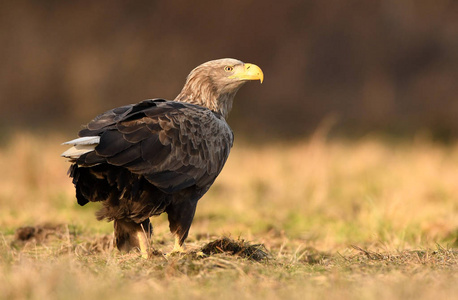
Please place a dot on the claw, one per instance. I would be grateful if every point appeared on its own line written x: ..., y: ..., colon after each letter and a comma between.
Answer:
x: 177, y: 249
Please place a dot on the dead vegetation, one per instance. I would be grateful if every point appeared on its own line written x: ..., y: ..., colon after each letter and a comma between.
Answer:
x: 65, y: 263
x: 44, y: 234
x: 240, y: 247
x: 322, y: 220
x: 50, y: 236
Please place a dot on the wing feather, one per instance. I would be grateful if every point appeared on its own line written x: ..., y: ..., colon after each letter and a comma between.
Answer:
x: 154, y: 151
x: 111, y: 143
x: 125, y: 157
x: 138, y: 135
x: 173, y: 145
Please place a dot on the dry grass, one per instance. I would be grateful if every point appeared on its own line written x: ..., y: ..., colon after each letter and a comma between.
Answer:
x: 338, y: 220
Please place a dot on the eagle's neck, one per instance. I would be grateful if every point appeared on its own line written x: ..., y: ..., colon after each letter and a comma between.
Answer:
x: 201, y: 90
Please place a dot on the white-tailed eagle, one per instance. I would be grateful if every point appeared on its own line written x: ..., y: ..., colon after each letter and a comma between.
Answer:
x: 157, y: 156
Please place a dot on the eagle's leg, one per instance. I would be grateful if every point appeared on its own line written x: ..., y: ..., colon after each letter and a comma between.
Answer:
x: 180, y: 219
x: 130, y: 235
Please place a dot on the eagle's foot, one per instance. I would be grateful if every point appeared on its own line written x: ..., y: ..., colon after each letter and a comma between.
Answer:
x: 178, y: 249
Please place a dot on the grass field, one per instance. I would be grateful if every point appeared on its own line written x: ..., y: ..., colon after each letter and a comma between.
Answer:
x: 366, y: 219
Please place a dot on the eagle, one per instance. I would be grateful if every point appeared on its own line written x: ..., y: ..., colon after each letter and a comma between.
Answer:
x: 158, y: 156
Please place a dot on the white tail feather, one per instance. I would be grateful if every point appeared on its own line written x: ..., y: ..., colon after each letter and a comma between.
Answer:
x: 85, y: 140
x: 81, y: 146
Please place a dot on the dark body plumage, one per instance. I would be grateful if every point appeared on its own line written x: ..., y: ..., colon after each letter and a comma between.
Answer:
x: 148, y: 158
x: 153, y: 157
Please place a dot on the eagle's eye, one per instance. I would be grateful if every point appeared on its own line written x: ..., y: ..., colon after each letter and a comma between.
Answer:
x: 228, y: 68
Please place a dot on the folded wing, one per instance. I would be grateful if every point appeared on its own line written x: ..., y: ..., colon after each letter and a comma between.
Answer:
x: 173, y: 145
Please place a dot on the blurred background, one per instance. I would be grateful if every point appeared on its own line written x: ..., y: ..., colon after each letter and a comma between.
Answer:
x: 367, y: 66
x: 378, y: 77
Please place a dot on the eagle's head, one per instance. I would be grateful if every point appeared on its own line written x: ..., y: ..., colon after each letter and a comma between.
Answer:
x: 214, y: 84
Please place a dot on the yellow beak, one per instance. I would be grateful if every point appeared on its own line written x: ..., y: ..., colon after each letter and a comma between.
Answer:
x: 249, y: 72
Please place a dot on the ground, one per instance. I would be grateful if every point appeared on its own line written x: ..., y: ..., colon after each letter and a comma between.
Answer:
x: 314, y: 219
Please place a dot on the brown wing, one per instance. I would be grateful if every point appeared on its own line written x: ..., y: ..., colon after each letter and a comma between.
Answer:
x: 174, y: 145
